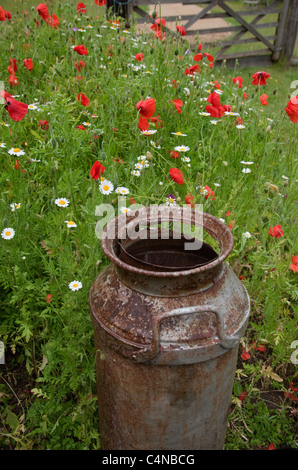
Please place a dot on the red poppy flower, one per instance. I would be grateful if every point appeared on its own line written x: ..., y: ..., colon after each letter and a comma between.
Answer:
x: 245, y: 96
x: 189, y: 200
x: 49, y: 298
x: 209, y: 57
x: 12, y: 67
x: 42, y: 124
x: 139, y: 56
x: 83, y: 99
x: 259, y: 78
x: 211, y: 65
x: 42, y: 10
x: 231, y: 224
x: 28, y: 64
x: 53, y: 21
x: 176, y: 175
x: 245, y: 355
x: 97, y: 170
x: 81, y: 127
x: 80, y: 65
x: 242, y: 395
x: 198, y: 57
x: 238, y: 81
x: 174, y: 154
x: 81, y: 8
x: 181, y: 30
x: 79, y: 78
x: 100, y: 3
x: 81, y: 49
x: 13, y: 81
x: 2, y: 14
x: 191, y: 70
x: 143, y: 124
x: 214, y: 108
x: 276, y: 231
x: 159, y: 35
x: 8, y: 15
x: 16, y: 109
x: 292, y: 109
x: 209, y: 193
x: 271, y: 446
x: 158, y: 25
x: 177, y: 103
x: 294, y: 389
x: 263, y: 99
x: 146, y: 108
x: 294, y: 265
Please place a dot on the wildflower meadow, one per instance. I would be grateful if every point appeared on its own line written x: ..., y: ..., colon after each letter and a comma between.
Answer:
x: 90, y: 112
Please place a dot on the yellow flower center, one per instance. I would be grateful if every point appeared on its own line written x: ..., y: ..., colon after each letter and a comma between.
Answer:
x: 106, y: 187
x: 62, y: 202
x: 8, y: 233
x: 70, y: 222
x: 171, y: 200
x: 75, y: 285
x: 123, y: 191
x: 16, y: 150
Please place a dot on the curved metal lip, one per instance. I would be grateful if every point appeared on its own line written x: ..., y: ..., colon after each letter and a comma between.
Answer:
x: 217, y: 229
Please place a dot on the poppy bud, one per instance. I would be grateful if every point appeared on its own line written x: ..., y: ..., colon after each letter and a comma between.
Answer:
x: 103, y: 156
x: 154, y: 14
x: 176, y: 52
x: 54, y: 143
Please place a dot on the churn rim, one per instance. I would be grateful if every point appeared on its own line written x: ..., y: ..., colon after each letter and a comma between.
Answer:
x: 215, y: 227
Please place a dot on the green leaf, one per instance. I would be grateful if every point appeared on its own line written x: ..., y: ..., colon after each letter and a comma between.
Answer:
x: 12, y: 419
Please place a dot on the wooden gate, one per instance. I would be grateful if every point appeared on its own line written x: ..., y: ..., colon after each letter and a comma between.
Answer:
x: 276, y: 16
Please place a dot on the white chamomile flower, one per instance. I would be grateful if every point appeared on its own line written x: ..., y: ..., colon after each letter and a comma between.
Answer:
x: 222, y: 220
x: 213, y: 122
x: 247, y: 235
x: 15, y: 206
x: 203, y: 113
x: 231, y: 113
x: 2, y: 144
x: 35, y: 161
x: 216, y: 185
x: 185, y: 159
x: 62, y: 202
x: 171, y: 201
x: 155, y: 144
x: 70, y: 223
x: 148, y: 132
x: 136, y: 172
x: 7, y: 233
x: 75, y: 285
x: 187, y: 91
x: 88, y: 124
x: 240, y: 126
x: 182, y: 148
x: 179, y: 133
x: 16, y: 151
x: 122, y: 190
x: 33, y: 106
x: 285, y: 177
x: 106, y: 187
x: 125, y: 210
x: 246, y: 170
x: 246, y: 163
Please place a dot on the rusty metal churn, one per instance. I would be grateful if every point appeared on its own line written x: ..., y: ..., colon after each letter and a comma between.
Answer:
x: 168, y: 322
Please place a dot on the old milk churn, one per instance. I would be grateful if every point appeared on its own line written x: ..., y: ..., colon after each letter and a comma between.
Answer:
x: 167, y: 323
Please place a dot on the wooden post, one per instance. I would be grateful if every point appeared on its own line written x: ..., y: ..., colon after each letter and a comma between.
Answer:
x: 281, y: 31
x: 291, y: 35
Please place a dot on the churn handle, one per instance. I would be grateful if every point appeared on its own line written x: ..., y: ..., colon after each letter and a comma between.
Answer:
x: 150, y: 352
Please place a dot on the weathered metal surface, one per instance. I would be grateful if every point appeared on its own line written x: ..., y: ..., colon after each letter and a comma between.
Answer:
x: 166, y: 342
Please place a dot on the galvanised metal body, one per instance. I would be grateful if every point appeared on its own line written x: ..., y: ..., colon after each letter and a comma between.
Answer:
x: 166, y: 340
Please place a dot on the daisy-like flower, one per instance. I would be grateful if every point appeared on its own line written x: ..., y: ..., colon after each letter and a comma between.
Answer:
x: 125, y: 210
x: 240, y: 126
x: 7, y: 233
x: 182, y: 148
x: 148, y: 132
x: 62, y: 202
x: 155, y: 144
x: 247, y: 163
x: 4, y: 124
x: 33, y: 106
x: 222, y: 220
x: 35, y: 161
x: 136, y: 172
x: 185, y: 159
x: 178, y: 133
x: 246, y: 170
x: 2, y: 144
x: 70, y: 223
x: 75, y: 285
x: 16, y: 151
x: 171, y: 200
x: 247, y: 235
x: 231, y: 113
x: 285, y: 177
x: 15, y: 206
x: 122, y: 190
x: 213, y: 122
x: 203, y: 113
x: 88, y: 124
x: 216, y: 185
x: 106, y: 187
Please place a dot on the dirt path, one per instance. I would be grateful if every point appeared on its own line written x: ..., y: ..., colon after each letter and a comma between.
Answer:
x: 177, y: 10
